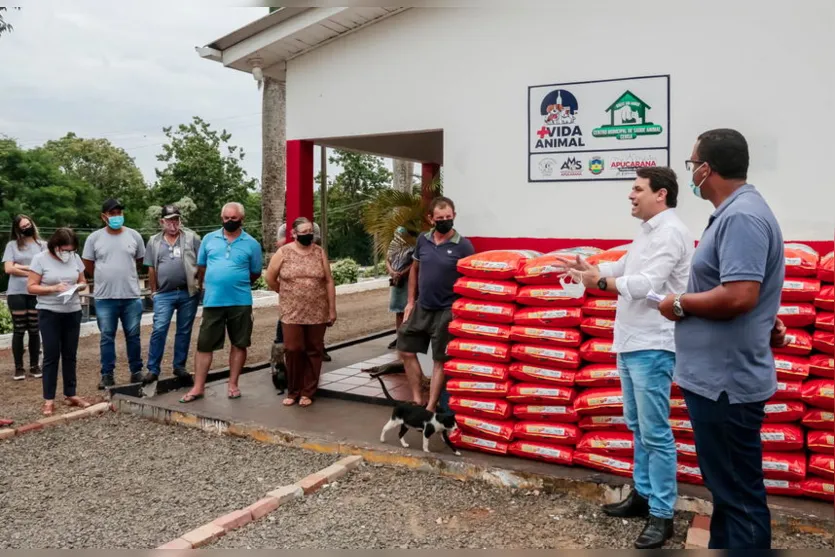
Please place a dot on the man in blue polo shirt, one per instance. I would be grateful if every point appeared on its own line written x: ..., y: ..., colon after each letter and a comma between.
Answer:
x: 726, y: 326
x: 428, y: 310
x: 228, y: 262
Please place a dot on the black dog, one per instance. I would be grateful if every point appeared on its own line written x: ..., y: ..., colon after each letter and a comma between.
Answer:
x: 410, y: 416
x: 277, y: 368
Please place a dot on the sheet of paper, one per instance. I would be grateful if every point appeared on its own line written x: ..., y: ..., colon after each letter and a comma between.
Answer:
x: 654, y: 296
x: 67, y: 294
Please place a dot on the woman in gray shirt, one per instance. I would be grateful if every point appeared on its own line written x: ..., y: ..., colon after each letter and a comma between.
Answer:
x: 25, y: 244
x: 56, y: 276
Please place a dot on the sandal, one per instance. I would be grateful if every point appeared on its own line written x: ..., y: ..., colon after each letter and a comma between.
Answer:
x: 288, y: 401
x: 76, y: 401
x: 48, y: 408
x: 234, y: 393
x: 189, y: 397
x: 305, y: 402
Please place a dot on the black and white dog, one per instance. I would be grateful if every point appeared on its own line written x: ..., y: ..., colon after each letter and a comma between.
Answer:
x: 410, y: 416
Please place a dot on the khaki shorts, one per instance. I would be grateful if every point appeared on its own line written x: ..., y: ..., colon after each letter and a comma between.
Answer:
x: 218, y: 321
x: 423, y: 328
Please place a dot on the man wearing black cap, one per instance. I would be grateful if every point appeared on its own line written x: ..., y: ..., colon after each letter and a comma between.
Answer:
x: 110, y: 257
x: 171, y: 259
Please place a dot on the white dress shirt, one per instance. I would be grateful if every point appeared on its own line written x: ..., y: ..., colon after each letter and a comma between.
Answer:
x: 659, y: 261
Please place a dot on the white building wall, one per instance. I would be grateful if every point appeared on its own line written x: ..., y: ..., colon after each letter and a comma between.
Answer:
x: 767, y: 72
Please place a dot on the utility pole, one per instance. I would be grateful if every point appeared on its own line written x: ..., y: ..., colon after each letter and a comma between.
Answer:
x: 323, y: 196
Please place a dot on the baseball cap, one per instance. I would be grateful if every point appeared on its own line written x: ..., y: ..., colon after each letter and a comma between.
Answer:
x: 170, y: 211
x: 111, y: 204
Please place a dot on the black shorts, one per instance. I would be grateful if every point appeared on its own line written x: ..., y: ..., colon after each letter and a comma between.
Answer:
x: 21, y: 302
x: 217, y: 322
x: 424, y: 327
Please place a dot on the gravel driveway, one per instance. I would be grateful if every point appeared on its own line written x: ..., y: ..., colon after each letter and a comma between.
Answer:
x: 124, y: 482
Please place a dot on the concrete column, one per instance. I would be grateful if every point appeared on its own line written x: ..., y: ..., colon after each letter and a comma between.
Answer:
x: 273, y: 171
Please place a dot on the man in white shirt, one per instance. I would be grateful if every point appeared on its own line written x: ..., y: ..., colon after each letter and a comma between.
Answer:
x: 656, y: 264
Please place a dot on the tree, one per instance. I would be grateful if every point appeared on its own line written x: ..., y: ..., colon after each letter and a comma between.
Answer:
x: 154, y: 213
x: 403, y: 175
x: 273, y: 160
x: 201, y: 164
x: 5, y: 27
x: 109, y: 169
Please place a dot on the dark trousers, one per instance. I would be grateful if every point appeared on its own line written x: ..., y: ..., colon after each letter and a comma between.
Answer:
x: 303, y: 349
x: 60, y: 333
x: 730, y: 456
x: 24, y: 320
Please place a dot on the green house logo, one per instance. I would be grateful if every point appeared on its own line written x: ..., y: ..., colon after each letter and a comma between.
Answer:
x: 627, y: 119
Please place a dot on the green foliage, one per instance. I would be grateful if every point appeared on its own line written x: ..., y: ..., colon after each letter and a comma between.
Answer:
x: 154, y: 212
x: 201, y: 164
x: 345, y: 271
x: 260, y: 284
x: 5, y: 319
x: 378, y: 270
x: 5, y: 27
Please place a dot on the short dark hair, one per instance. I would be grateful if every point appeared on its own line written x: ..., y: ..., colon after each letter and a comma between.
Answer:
x: 661, y: 178
x: 62, y: 237
x: 440, y: 203
x: 726, y: 151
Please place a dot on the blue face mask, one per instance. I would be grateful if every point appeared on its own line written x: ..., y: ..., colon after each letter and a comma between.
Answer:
x: 116, y: 222
x: 697, y: 190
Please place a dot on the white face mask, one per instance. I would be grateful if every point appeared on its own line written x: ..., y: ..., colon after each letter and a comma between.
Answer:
x: 65, y: 256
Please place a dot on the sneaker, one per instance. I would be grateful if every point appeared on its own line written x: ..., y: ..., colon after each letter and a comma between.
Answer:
x: 106, y: 381
x: 180, y: 372
x: 392, y: 345
x: 36, y: 372
x: 137, y: 377
x: 19, y: 374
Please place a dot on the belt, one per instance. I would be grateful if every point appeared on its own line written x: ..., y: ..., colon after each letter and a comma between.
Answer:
x: 177, y: 289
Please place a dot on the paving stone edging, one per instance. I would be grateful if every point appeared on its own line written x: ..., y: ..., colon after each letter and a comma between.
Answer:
x: 57, y: 419
x: 209, y: 532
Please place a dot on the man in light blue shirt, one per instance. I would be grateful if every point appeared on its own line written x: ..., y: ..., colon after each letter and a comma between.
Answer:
x: 726, y: 325
x: 228, y: 262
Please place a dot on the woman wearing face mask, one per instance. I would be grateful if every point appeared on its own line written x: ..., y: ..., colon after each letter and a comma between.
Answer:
x: 52, y: 273
x: 301, y: 273
x: 25, y: 244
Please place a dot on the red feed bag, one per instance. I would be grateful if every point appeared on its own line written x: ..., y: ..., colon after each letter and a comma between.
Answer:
x: 675, y: 389
x: 678, y: 407
x: 486, y: 289
x: 563, y: 414
x: 531, y: 373
x: 823, y: 420
x: 468, y: 369
x: 825, y: 300
x: 479, y: 389
x: 800, y: 290
x: 798, y: 343
x: 598, y: 351
x: 784, y: 466
x: 783, y: 487
x: 821, y: 365
x: 548, y: 296
x: 824, y: 341
x: 599, y: 402
x: 466, y: 441
x: 480, y: 407
x: 549, y: 317
x: 495, y: 430
x: 818, y: 488
x: 791, y: 368
x: 545, y: 269
x: 826, y: 268
x: 599, y: 327
x: 603, y: 423
x: 781, y: 437
x: 480, y: 350
x: 532, y: 393
x: 797, y: 315
x: 557, y: 434
x: 607, y: 463
x: 788, y: 390
x: 480, y: 310
x: 598, y: 376
x: 686, y: 450
x: 682, y: 428
x: 819, y: 393
x: 462, y: 328
x: 542, y: 451
x: 495, y: 264
x: 825, y: 321
x: 820, y: 442
x: 784, y: 412
x: 600, y: 307
x: 546, y: 336
x: 561, y: 358
x: 609, y: 256
x: 607, y: 442
x: 801, y: 261
x: 689, y: 473
x: 822, y: 465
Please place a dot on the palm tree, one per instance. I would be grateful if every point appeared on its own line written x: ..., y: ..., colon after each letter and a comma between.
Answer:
x: 5, y: 27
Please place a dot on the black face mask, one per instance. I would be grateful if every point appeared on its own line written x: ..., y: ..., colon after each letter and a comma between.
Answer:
x: 443, y: 226
x: 28, y: 232
x: 231, y: 225
x: 305, y: 239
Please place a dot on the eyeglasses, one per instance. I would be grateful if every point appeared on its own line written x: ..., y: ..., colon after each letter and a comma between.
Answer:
x: 693, y: 165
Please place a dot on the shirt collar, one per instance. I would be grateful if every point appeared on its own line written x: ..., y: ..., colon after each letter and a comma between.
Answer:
x: 731, y: 198
x: 219, y: 234
x: 456, y: 238
x: 655, y: 221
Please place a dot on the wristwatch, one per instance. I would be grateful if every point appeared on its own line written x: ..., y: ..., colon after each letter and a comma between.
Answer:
x: 677, y: 311
x: 602, y: 284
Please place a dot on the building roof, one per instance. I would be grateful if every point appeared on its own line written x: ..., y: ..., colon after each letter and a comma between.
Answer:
x: 269, y: 42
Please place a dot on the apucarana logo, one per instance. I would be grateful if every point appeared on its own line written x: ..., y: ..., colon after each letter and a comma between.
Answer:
x: 596, y: 165
x: 559, y: 110
x: 628, y: 165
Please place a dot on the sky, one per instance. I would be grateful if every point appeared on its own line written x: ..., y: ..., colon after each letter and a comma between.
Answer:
x: 123, y: 70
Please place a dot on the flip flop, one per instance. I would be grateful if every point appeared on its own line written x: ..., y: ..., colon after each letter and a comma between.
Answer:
x: 305, y: 402
x: 190, y: 398
x: 76, y: 401
x: 288, y: 401
x: 48, y: 408
x: 236, y: 393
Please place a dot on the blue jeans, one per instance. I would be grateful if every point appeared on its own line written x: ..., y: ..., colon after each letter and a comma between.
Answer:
x: 646, y: 377
x: 730, y: 453
x: 108, y: 315
x: 165, y: 303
